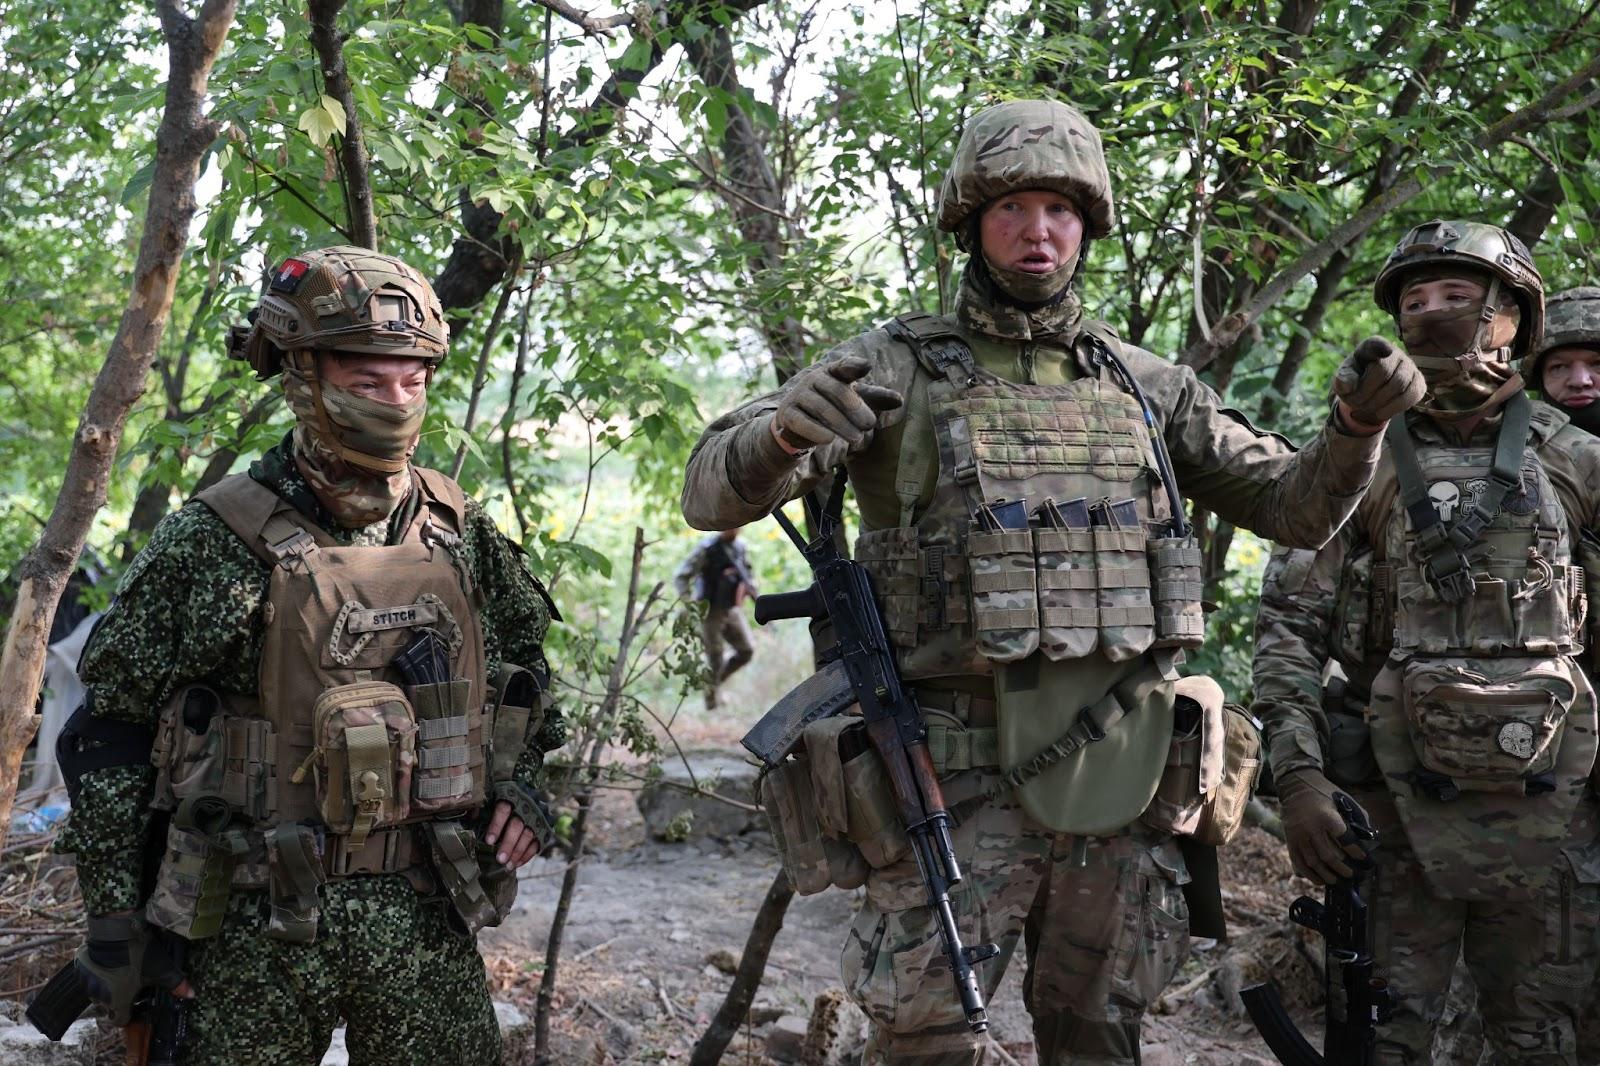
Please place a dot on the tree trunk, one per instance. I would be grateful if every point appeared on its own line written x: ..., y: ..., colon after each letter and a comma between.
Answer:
x: 183, y: 136
x: 329, y: 44
x: 752, y: 965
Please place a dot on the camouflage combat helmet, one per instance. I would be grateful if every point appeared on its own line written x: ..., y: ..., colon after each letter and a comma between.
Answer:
x: 1571, y: 320
x: 345, y: 298
x: 1028, y: 144
x: 1474, y: 247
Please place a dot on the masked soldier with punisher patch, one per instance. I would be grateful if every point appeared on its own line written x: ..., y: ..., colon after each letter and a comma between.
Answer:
x: 1018, y: 470
x: 319, y: 705
x: 1454, y: 603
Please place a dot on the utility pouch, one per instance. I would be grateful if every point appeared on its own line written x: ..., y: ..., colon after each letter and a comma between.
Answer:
x: 1223, y: 811
x: 1175, y: 572
x: 1194, y: 757
x: 294, y: 875
x: 200, y: 751
x: 1122, y: 575
x: 454, y: 848
x: 1005, y: 597
x: 447, y: 752
x: 853, y: 797
x: 365, y: 750
x: 1489, y: 725
x: 1069, y: 618
x: 191, y: 891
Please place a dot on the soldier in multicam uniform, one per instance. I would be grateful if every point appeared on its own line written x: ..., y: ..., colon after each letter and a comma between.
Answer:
x: 1453, y: 603
x: 1011, y: 647
x: 332, y: 828
x: 1566, y: 366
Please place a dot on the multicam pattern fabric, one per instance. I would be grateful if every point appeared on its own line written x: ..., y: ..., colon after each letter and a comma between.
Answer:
x: 167, y: 629
x: 1532, y: 958
x: 355, y: 496
x: 995, y: 318
x: 1028, y: 144
x: 1103, y: 932
x: 387, y: 962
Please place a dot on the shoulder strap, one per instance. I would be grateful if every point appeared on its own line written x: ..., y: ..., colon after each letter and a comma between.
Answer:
x: 949, y: 359
x: 444, y: 498
x: 1447, y: 567
x: 261, y: 518
x: 937, y: 346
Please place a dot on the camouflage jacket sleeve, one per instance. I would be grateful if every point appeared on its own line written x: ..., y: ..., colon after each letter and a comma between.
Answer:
x: 1293, y: 633
x: 163, y: 630
x: 1571, y: 458
x: 516, y: 617
x: 737, y: 473
x: 1252, y: 478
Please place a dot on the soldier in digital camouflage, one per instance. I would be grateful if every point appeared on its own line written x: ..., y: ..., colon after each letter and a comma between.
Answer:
x: 317, y: 712
x: 1461, y: 716
x: 1566, y: 367
x: 1038, y: 597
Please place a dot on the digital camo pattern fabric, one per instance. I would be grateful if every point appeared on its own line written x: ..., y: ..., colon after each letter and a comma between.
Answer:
x: 387, y: 961
x: 166, y: 629
x: 1102, y: 939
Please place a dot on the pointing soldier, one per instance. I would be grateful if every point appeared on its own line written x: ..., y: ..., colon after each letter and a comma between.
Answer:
x: 1021, y: 545
x: 1453, y: 602
x: 320, y: 697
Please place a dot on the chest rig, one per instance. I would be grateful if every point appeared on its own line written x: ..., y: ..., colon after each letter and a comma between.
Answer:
x: 1043, y: 529
x: 369, y: 722
x: 1481, y: 719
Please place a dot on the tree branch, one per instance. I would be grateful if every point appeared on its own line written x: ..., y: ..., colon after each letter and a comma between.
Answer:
x: 589, y: 24
x: 181, y: 139
x: 352, y: 145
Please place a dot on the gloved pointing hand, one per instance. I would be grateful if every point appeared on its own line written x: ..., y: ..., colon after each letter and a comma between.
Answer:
x: 1377, y: 382
x: 1320, y: 843
x: 122, y: 957
x: 827, y: 402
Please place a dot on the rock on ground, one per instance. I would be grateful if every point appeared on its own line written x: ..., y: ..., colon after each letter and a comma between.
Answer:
x: 23, y: 1045
x: 672, y: 811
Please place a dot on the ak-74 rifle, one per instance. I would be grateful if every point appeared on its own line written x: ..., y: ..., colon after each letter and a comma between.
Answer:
x: 1357, y: 1001
x: 862, y: 670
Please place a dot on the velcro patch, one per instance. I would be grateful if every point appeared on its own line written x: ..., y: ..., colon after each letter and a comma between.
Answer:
x: 373, y: 619
x: 287, y: 277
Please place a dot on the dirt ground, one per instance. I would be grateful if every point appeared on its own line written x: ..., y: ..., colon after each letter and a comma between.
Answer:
x: 656, y: 929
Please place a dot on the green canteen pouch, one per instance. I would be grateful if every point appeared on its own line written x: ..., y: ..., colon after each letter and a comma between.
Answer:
x: 454, y: 849
x: 1122, y: 576
x: 1194, y: 758
x: 1487, y: 724
x: 294, y: 875
x: 366, y: 737
x: 448, y: 749
x: 1222, y: 814
x: 1005, y: 595
x: 812, y: 860
x: 1175, y: 573
x: 229, y: 756
x: 1069, y: 618
x: 853, y: 799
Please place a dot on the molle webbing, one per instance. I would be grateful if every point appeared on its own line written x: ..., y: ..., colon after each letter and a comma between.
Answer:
x: 945, y: 356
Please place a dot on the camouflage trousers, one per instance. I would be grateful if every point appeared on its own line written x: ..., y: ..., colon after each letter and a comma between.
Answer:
x: 1102, y: 921
x: 1531, y: 962
x: 411, y: 989
x: 725, y: 627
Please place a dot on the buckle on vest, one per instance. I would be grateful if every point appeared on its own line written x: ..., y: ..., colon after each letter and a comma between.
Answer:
x: 1091, y: 726
x: 1539, y: 784
x: 434, y: 534
x: 1451, y: 576
x: 296, y: 545
x: 1439, y: 786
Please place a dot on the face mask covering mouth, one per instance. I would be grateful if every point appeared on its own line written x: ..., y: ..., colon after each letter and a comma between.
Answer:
x: 1463, y: 353
x: 1032, y: 291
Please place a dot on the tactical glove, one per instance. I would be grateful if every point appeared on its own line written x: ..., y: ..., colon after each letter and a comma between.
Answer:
x: 1320, y: 844
x: 827, y: 402
x: 121, y: 958
x: 1377, y: 382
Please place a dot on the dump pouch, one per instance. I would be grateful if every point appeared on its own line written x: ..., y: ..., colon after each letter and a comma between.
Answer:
x: 365, y: 751
x: 1175, y: 572
x: 454, y: 849
x: 812, y: 860
x: 1005, y: 597
x: 294, y: 875
x: 1195, y: 756
x: 1222, y: 813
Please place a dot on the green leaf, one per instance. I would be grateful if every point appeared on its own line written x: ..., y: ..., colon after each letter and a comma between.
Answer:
x: 138, y: 183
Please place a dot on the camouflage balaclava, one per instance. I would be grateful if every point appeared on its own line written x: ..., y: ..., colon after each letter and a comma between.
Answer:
x: 1571, y: 320
x: 1013, y: 147
x: 1468, y: 356
x: 354, y: 451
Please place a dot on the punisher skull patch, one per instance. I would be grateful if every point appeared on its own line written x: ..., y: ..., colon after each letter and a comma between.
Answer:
x: 1516, y: 740
x: 1446, y: 499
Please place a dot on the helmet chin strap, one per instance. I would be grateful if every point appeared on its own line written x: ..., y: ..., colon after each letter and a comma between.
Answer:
x: 305, y: 362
